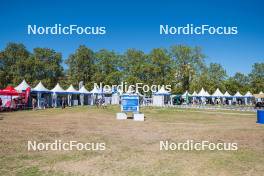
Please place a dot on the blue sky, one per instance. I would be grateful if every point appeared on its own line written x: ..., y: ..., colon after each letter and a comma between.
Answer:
x: 135, y: 24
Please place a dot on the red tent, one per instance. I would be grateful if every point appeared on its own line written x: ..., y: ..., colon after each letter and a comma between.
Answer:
x: 9, y: 90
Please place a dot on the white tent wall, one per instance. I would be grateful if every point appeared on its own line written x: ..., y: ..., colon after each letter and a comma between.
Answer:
x: 158, y: 100
x: 115, y: 99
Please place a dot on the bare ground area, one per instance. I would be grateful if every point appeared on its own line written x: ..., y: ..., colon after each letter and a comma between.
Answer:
x: 132, y: 148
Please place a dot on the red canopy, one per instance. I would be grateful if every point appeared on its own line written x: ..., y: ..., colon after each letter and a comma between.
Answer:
x: 9, y: 90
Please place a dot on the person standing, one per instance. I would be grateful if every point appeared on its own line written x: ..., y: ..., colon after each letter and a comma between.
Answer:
x: 34, y: 102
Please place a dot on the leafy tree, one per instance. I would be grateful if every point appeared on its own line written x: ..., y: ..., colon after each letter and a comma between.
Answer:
x: 81, y: 66
x: 47, y: 66
x: 107, y: 67
x: 257, y: 77
x: 135, y: 66
x: 239, y: 82
x: 14, y: 65
x: 189, y: 62
x: 160, y: 72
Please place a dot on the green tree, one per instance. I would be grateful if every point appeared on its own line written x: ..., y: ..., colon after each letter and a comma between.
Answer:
x: 15, y: 65
x: 81, y: 66
x: 107, y: 67
x: 135, y: 66
x: 160, y: 67
x: 257, y: 77
x: 47, y: 66
x: 189, y: 63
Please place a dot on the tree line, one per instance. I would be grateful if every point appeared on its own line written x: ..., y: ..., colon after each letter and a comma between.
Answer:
x: 182, y: 67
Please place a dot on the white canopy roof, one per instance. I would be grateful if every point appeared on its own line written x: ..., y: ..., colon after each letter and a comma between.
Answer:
x: 162, y: 91
x: 40, y: 88
x: 202, y: 93
x: 22, y: 86
x: 238, y: 94
x: 227, y: 94
x: 58, y: 89
x: 83, y: 90
x: 260, y: 92
x: 96, y: 90
x: 186, y: 93
x: 194, y: 94
x: 217, y: 93
x: 248, y: 94
x: 207, y: 94
x: 72, y: 90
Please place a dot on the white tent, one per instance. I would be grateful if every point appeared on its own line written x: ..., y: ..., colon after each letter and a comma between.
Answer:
x: 40, y: 89
x: 186, y: 93
x: 22, y: 86
x: 217, y: 93
x: 96, y: 90
x: 202, y: 93
x: 161, y: 97
x: 162, y: 91
x: 238, y: 94
x: 57, y: 90
x: 194, y: 94
x: 207, y: 94
x: 248, y: 94
x: 70, y: 91
x: 248, y: 98
x: 226, y: 94
x: 83, y: 91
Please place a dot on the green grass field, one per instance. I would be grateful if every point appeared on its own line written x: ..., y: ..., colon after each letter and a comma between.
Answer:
x: 132, y: 148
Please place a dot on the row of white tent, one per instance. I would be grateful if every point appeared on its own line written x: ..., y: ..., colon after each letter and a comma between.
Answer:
x: 40, y: 88
x: 217, y: 94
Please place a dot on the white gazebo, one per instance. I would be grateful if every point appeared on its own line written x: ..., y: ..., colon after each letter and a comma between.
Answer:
x: 203, y: 94
x: 22, y: 86
x: 83, y: 92
x: 236, y: 96
x: 57, y: 90
x: 40, y: 90
x: 71, y: 91
x: 217, y: 94
x: 95, y: 92
x: 194, y: 95
x: 248, y: 98
x: 161, y: 97
x: 228, y: 97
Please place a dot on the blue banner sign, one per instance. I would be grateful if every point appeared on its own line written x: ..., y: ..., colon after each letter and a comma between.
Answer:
x: 130, y: 103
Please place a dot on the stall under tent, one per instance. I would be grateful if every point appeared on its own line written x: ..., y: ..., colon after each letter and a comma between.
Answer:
x: 96, y: 94
x: 237, y: 98
x: 227, y: 98
x: 84, y: 96
x: 72, y: 96
x: 216, y: 96
x: 203, y: 95
x: 186, y: 96
x: 43, y: 95
x: 248, y: 98
x: 161, y: 97
x: 194, y: 96
x: 57, y: 94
